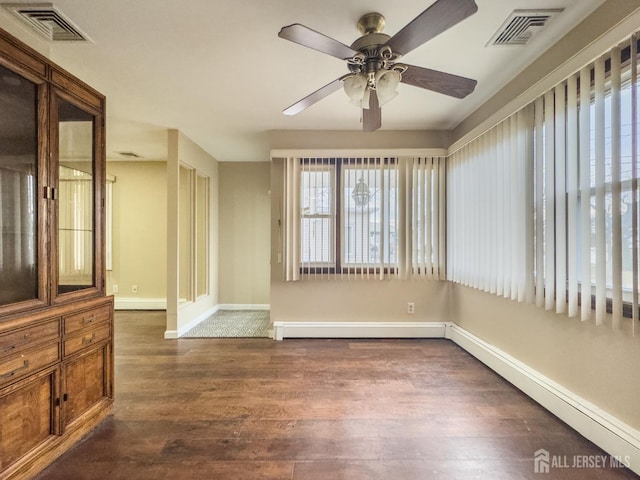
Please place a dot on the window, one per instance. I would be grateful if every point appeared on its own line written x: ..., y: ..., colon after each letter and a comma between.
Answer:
x: 544, y: 206
x: 365, y: 216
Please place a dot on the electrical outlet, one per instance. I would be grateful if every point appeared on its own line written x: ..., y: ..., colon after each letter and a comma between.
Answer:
x: 134, y: 288
x: 114, y: 288
x: 411, y: 308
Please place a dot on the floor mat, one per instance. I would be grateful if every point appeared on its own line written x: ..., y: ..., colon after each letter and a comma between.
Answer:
x: 233, y: 323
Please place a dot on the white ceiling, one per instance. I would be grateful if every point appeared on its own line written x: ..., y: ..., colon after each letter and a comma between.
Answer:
x: 217, y: 71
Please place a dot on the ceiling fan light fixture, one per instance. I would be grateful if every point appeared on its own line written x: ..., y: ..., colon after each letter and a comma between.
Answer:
x: 355, y: 86
x: 387, y: 82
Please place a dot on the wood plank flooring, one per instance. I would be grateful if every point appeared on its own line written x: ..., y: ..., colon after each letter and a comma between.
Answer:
x: 313, y: 409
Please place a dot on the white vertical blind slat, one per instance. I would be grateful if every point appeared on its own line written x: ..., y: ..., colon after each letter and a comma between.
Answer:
x: 634, y: 181
x: 440, y: 235
x: 494, y: 218
x: 506, y: 181
x: 616, y: 192
x: 585, y: 193
x: 539, y: 180
x: 561, y: 212
x: 549, y: 180
x: 292, y: 217
x: 529, y: 205
x: 572, y: 195
x: 520, y: 217
x: 599, y: 126
x: 498, y: 209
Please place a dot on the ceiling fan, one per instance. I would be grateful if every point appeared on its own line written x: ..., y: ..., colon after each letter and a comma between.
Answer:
x: 372, y: 60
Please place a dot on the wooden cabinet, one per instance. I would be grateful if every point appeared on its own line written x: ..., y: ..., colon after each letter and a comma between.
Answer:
x: 56, y: 324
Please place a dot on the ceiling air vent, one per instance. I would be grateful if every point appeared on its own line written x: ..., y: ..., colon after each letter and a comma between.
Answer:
x: 48, y: 21
x: 522, y: 25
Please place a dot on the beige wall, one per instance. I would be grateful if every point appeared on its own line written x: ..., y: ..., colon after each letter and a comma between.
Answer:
x: 594, y: 362
x: 139, y: 229
x: 342, y: 300
x: 183, y: 151
x: 305, y: 139
x: 244, y: 233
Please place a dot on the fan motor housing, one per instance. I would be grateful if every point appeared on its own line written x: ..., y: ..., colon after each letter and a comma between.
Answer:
x: 371, y: 23
x: 369, y: 41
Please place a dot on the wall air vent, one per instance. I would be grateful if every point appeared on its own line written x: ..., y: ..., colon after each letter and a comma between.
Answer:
x: 522, y: 25
x: 47, y: 21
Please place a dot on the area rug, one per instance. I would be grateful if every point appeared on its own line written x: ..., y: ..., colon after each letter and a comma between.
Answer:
x: 233, y: 323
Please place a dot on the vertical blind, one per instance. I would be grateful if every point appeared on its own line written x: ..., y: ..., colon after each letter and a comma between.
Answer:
x: 364, y: 218
x: 544, y: 206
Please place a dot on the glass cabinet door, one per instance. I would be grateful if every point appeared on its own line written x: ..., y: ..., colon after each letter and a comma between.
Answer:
x: 19, y: 171
x: 75, y: 198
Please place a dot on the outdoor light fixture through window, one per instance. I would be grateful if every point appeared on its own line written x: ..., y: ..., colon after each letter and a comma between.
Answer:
x: 360, y: 193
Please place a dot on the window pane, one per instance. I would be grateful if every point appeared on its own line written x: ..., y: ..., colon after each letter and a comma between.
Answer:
x: 317, y: 215
x: 18, y: 176
x: 317, y: 239
x: 316, y: 192
x: 369, y: 215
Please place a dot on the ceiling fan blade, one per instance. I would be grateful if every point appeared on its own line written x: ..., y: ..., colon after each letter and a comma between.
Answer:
x: 372, y: 116
x: 440, y: 16
x: 310, y: 38
x: 441, y: 82
x: 314, y: 97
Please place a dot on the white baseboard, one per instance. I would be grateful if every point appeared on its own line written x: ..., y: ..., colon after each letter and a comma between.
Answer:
x: 173, y: 334
x: 244, y: 306
x: 358, y: 330
x: 140, y: 303
x: 613, y: 436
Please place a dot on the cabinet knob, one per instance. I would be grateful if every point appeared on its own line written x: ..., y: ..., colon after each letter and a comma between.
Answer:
x: 88, y: 340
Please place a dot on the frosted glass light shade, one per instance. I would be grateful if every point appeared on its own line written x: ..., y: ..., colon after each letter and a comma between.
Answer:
x: 386, y: 83
x: 355, y: 87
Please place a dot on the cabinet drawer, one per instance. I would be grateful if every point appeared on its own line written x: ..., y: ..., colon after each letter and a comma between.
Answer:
x: 15, y: 367
x: 87, y: 319
x: 90, y: 337
x: 15, y: 342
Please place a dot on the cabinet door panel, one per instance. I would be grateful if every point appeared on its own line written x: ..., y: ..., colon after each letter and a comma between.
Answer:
x: 85, y: 381
x: 76, y: 189
x: 26, y: 417
x: 19, y: 172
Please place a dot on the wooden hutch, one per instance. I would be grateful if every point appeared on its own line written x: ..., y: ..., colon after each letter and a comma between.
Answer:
x: 56, y: 324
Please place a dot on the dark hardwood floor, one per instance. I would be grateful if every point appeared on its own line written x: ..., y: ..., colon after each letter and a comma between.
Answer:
x: 313, y: 409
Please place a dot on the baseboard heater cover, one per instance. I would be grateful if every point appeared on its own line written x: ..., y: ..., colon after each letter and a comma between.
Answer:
x: 284, y: 330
